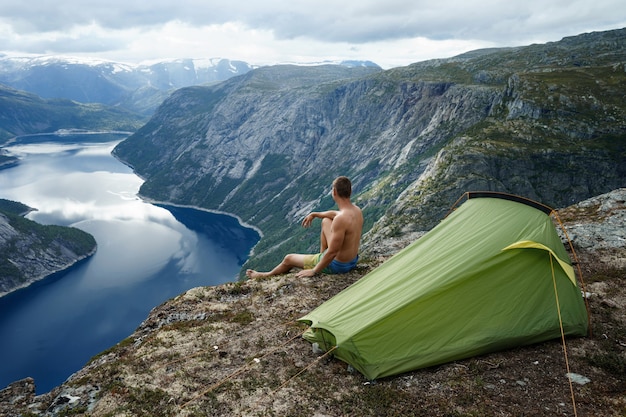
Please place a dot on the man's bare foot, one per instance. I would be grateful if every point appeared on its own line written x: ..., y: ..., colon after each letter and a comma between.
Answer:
x: 252, y: 274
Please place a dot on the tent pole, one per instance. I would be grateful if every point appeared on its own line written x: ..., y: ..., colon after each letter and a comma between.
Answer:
x: 456, y: 203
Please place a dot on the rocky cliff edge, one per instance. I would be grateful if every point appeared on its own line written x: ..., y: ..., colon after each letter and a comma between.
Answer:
x: 235, y: 349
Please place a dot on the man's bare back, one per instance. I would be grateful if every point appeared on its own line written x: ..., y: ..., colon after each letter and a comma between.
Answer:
x: 350, y: 219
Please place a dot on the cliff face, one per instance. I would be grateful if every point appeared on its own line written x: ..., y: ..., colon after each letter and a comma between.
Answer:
x: 543, y: 121
x: 30, y: 251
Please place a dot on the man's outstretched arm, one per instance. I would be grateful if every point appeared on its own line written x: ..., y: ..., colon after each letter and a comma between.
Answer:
x: 330, y: 214
x: 334, y: 246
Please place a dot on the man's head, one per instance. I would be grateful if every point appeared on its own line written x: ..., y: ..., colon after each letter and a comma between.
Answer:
x: 343, y: 187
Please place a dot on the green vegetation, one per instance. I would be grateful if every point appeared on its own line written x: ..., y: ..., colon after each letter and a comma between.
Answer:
x: 74, y: 239
x: 8, y: 270
x: 33, y: 239
x: 13, y: 207
x: 25, y: 113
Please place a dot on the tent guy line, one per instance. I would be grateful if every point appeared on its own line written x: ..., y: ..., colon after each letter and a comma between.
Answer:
x: 456, y: 293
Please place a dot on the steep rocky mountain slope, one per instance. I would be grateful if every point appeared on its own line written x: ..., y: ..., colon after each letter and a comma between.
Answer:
x: 547, y: 122
x: 30, y: 251
x: 236, y: 350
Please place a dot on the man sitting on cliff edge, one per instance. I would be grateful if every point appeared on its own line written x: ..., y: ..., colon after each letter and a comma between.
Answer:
x: 339, y: 239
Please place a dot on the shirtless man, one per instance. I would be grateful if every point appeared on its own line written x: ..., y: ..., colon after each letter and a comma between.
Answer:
x: 339, y: 239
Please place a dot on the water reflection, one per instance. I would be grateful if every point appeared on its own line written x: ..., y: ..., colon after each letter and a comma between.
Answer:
x: 146, y: 254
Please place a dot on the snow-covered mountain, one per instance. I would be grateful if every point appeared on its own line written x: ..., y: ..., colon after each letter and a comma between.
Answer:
x: 135, y: 87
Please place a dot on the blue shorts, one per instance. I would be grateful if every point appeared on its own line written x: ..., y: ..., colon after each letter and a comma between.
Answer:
x: 335, y: 266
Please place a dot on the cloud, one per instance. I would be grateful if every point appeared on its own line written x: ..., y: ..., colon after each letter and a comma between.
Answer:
x: 279, y: 29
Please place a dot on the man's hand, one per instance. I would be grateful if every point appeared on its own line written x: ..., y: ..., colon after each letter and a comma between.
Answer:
x: 305, y: 273
x: 330, y: 214
x: 307, y: 220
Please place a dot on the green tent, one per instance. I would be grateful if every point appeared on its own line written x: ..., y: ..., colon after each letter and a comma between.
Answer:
x: 486, y: 278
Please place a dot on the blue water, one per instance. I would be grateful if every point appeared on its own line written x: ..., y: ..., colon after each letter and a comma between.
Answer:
x: 147, y: 254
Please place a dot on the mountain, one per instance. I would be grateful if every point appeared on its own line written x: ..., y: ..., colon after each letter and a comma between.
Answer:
x: 138, y: 88
x: 23, y: 113
x: 543, y: 121
x: 30, y: 251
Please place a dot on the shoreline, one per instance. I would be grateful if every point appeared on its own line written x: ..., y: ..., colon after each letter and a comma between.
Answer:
x: 221, y: 213
x: 152, y: 201
x: 51, y: 275
x: 206, y: 210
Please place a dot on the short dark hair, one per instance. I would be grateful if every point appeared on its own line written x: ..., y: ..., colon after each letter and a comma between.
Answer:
x: 343, y: 186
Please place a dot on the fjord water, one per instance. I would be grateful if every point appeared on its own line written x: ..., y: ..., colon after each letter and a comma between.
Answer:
x: 147, y: 253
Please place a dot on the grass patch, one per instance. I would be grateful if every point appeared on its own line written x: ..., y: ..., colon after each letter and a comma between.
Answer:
x: 242, y: 317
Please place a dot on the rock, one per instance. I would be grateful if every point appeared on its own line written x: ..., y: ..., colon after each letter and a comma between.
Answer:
x: 31, y: 251
x: 599, y: 228
x: 17, y: 396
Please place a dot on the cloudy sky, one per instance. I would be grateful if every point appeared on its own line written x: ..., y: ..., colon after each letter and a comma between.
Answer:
x: 389, y: 32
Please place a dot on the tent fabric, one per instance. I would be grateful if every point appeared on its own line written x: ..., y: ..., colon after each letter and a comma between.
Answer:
x: 567, y: 268
x: 480, y: 281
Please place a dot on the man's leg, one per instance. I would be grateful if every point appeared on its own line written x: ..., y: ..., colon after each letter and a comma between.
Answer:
x: 292, y: 260
x: 325, y: 233
x: 295, y: 260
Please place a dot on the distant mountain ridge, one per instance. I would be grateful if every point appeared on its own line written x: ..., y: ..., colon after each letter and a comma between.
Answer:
x: 139, y: 88
x: 112, y: 83
x: 23, y: 113
x: 542, y: 121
